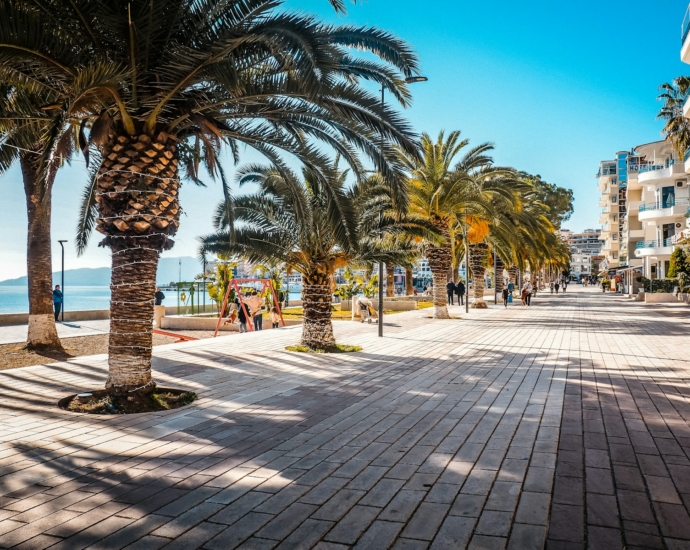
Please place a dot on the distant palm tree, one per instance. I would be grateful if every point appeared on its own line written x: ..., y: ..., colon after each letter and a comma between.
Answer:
x: 310, y: 224
x: 445, y: 194
x: 677, y: 127
x: 163, y: 86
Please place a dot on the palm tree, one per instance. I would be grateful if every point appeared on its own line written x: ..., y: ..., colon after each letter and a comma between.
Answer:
x: 677, y: 128
x: 446, y: 195
x: 163, y: 86
x: 310, y: 225
x: 20, y: 142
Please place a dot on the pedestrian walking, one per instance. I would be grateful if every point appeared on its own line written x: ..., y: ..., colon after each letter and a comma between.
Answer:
x: 506, y: 295
x: 511, y: 287
x: 551, y: 286
x: 255, y: 304
x: 158, y: 297
x: 460, y: 291
x: 275, y: 317
x: 565, y: 286
x: 57, y: 301
x: 557, y: 286
x: 529, y: 294
x: 523, y: 295
x: 450, y: 290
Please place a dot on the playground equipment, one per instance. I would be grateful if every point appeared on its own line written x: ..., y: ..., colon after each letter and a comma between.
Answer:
x: 189, y: 294
x: 234, y: 284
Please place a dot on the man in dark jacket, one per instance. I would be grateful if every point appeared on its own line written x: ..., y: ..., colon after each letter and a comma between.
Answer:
x: 57, y: 301
x: 450, y: 287
x: 159, y: 297
x: 460, y: 291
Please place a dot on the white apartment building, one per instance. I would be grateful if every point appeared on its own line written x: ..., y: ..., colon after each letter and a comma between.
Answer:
x: 583, y: 248
x: 644, y: 199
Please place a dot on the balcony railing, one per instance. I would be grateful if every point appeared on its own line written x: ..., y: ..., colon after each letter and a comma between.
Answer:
x: 606, y: 171
x: 654, y: 243
x: 668, y: 203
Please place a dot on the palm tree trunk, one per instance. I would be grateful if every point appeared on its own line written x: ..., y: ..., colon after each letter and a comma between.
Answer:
x: 513, y: 274
x: 42, y: 332
x: 317, y: 331
x: 409, y: 287
x: 390, y: 280
x: 138, y: 200
x: 477, y: 256
x: 499, y: 274
x: 439, y: 258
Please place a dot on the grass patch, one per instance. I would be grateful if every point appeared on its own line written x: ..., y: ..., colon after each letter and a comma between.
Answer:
x: 102, y: 402
x: 339, y: 348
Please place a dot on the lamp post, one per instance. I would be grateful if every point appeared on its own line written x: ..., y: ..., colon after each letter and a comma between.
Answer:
x: 62, y: 280
x: 408, y: 80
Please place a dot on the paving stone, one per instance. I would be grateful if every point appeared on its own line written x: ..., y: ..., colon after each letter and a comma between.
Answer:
x: 426, y: 521
x: 481, y: 542
x: 495, y: 524
x: 533, y: 508
x: 527, y: 537
x: 349, y: 529
x: 454, y: 533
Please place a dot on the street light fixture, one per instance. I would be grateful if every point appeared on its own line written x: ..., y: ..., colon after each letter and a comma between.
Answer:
x: 408, y: 80
x: 62, y: 281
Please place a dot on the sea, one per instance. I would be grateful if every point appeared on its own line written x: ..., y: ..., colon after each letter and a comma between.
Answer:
x: 15, y: 299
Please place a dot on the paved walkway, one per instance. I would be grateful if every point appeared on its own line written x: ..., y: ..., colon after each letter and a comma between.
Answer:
x: 563, y: 425
x: 17, y: 333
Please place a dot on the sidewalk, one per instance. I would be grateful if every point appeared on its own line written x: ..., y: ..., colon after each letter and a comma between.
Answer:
x: 17, y: 333
x: 564, y: 424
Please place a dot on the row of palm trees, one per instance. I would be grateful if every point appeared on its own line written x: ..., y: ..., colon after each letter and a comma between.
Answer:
x: 454, y: 194
x: 151, y: 91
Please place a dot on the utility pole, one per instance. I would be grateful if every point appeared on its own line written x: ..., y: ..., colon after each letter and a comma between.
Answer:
x: 62, y: 280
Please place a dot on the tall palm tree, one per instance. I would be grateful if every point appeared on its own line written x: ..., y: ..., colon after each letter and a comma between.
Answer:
x: 677, y: 127
x: 446, y: 194
x: 163, y: 86
x: 309, y: 224
x: 21, y: 143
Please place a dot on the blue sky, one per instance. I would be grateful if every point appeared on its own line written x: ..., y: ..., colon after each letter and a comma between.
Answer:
x: 557, y: 86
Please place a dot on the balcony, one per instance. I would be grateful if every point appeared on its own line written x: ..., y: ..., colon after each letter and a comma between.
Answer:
x: 654, y: 247
x: 634, y: 207
x: 635, y: 234
x: 649, y: 172
x: 667, y: 209
x: 685, y: 43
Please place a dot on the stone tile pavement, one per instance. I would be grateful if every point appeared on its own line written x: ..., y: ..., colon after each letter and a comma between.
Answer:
x: 11, y: 334
x: 564, y: 425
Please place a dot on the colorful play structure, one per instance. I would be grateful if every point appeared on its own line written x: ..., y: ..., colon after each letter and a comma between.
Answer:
x: 234, y: 284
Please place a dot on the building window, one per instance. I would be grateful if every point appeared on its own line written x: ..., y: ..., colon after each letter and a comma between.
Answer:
x: 614, y: 199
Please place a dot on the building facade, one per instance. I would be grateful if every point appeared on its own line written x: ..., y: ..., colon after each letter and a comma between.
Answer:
x: 584, y: 248
x: 644, y: 199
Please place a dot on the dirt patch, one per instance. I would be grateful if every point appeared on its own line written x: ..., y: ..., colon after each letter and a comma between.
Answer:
x: 101, y: 402
x: 339, y: 348
x: 13, y: 356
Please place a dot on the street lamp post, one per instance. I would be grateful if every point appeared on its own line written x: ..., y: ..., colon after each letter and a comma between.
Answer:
x: 408, y: 80
x: 62, y: 279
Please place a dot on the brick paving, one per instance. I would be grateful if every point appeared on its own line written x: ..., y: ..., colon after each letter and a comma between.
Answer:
x: 564, y: 425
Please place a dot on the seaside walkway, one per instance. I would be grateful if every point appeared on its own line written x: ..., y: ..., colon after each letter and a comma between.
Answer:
x: 565, y: 424
x: 12, y: 334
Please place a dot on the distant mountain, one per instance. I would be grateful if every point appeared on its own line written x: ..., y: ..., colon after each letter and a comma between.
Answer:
x: 168, y: 271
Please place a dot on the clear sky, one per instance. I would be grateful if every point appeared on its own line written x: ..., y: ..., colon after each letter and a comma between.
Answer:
x: 557, y: 86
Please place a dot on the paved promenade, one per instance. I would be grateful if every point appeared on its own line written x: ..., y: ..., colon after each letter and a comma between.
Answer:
x: 12, y: 334
x: 564, y: 425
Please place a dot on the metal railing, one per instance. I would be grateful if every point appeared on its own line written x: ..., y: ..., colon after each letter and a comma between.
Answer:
x: 654, y: 243
x: 668, y: 203
x: 652, y: 167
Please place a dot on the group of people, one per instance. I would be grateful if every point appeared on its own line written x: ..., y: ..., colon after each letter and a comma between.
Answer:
x: 458, y: 290
x: 254, y: 306
x: 555, y: 285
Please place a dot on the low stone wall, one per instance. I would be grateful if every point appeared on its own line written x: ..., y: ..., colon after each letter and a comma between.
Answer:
x: 7, y: 319
x: 393, y: 305
x: 660, y: 298
x: 209, y: 323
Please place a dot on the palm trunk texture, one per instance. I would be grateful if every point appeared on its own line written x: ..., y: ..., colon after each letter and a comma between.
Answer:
x: 409, y: 287
x: 499, y: 266
x: 42, y: 332
x: 317, y: 331
x: 137, y: 194
x: 477, y: 256
x: 439, y: 258
x: 390, y: 280
x: 513, y: 274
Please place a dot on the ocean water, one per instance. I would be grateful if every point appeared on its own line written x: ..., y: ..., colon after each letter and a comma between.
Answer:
x: 15, y: 299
